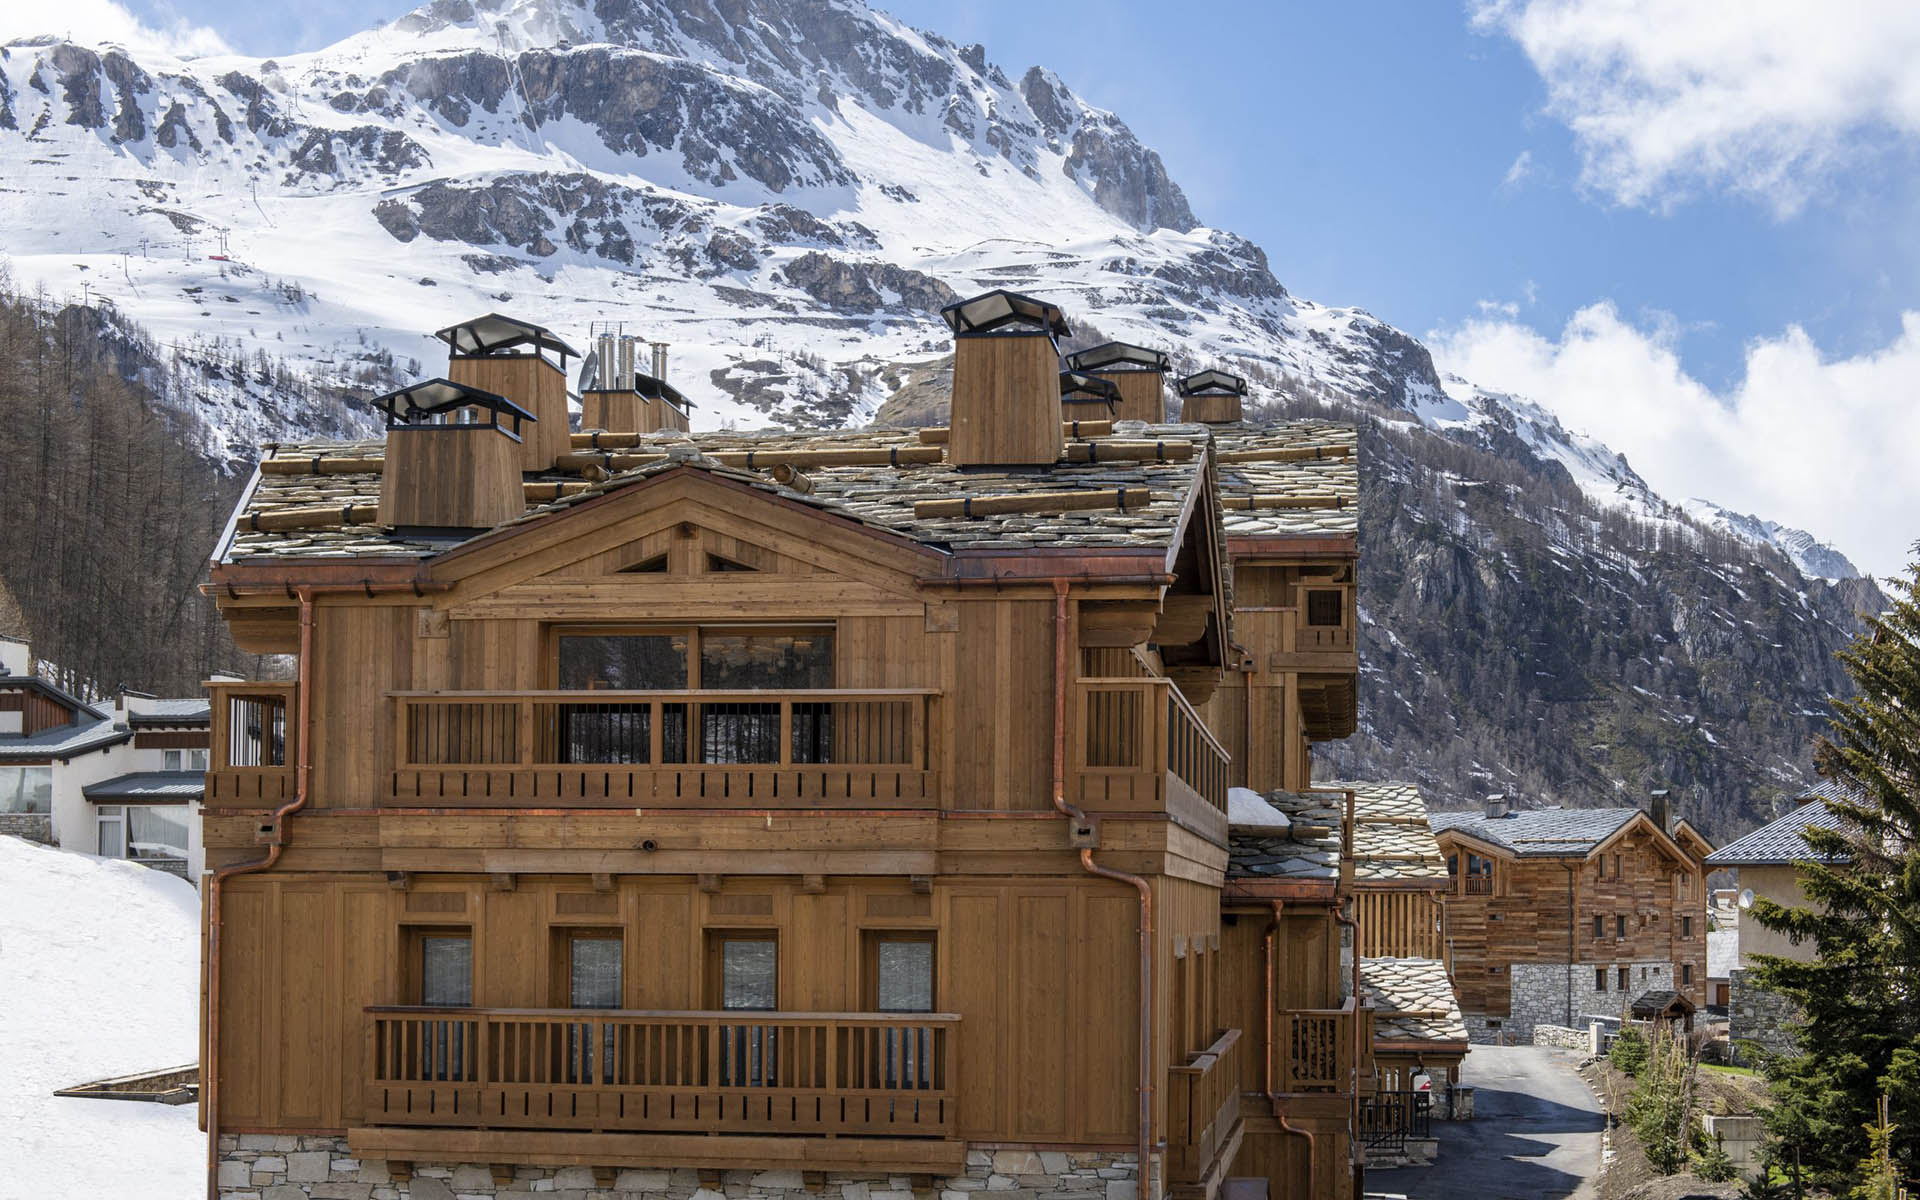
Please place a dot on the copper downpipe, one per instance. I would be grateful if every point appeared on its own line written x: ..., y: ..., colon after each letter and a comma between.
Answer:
x: 1353, y: 1085
x: 1273, y: 1097
x: 210, y: 1072
x: 1146, y: 1139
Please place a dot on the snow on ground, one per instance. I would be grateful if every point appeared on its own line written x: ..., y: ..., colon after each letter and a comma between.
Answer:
x: 100, y: 961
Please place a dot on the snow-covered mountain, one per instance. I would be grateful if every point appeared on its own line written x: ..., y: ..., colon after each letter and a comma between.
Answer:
x: 1815, y: 558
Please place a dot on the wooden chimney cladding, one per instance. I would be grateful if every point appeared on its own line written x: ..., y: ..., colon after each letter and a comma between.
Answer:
x: 1006, y: 400
x: 1211, y: 408
x: 619, y: 410
x: 1143, y: 395
x: 451, y: 476
x: 535, y: 384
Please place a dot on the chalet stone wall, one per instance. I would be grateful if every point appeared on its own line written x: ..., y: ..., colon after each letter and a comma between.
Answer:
x: 299, y: 1167
x: 1563, y: 1037
x: 1756, y: 1016
x: 34, y: 827
x: 1540, y: 992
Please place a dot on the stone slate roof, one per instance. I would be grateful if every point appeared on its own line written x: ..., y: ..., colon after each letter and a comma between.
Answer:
x: 188, y: 711
x: 1391, y: 837
x: 882, y: 496
x: 1650, y: 1004
x: 1266, y: 856
x: 1306, y: 477
x: 149, y: 786
x: 1413, y: 1000
x: 1780, y: 841
x: 87, y: 734
x: 1540, y: 832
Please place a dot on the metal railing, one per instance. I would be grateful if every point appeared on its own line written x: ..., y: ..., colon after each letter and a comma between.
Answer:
x: 1388, y: 1119
x: 700, y: 1072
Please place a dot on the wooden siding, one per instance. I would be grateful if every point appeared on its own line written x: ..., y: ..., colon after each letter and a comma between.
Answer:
x: 451, y: 476
x: 535, y: 384
x: 1006, y: 401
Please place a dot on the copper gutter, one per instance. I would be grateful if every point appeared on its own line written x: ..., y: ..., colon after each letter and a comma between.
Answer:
x: 1146, y: 1141
x: 1273, y: 1097
x: 210, y: 1074
x: 1353, y: 1085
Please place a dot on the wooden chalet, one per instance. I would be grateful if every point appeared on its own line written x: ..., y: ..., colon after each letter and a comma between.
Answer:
x: 1557, y: 915
x: 848, y: 807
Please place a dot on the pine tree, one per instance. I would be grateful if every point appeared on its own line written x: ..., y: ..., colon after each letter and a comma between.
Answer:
x: 1859, y: 1032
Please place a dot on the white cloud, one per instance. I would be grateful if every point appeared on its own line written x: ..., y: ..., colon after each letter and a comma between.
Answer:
x: 1766, y: 97
x: 1499, y: 308
x: 1828, y: 445
x: 1520, y: 171
x: 91, y: 22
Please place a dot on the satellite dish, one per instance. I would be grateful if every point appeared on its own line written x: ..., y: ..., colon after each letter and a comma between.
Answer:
x: 1746, y: 898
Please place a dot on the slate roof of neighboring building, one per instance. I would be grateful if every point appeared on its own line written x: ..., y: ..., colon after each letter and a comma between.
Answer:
x: 151, y: 786
x: 1413, y: 1000
x: 1780, y: 841
x: 1266, y: 856
x: 1651, y: 1004
x: 187, y: 711
x: 1332, y: 476
x: 1539, y: 832
x: 882, y: 496
x: 1391, y: 837
x: 1723, y: 952
x: 65, y: 741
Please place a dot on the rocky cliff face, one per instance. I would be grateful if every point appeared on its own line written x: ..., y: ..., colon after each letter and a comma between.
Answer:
x: 786, y: 191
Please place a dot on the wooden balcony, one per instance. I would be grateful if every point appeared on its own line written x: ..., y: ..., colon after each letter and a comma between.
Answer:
x: 251, y: 764
x: 1136, y: 745
x: 1203, y: 1111
x: 765, y: 1074
x: 1315, y: 1048
x: 704, y: 749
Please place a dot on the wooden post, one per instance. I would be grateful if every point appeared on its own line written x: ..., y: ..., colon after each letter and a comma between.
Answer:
x: 785, y: 756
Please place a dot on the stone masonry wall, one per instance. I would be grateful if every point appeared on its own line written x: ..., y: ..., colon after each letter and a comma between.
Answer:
x: 1757, y: 1016
x: 290, y: 1167
x: 34, y: 827
x: 1540, y: 992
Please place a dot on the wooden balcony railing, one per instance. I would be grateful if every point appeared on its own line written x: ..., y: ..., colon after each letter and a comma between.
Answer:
x: 1203, y: 1106
x: 254, y: 730
x: 585, y: 1070
x: 1316, y: 1046
x: 1136, y: 739
x: 1479, y: 885
x: 625, y: 748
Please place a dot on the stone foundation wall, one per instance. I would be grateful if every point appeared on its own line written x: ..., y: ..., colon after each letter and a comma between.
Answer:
x: 299, y: 1167
x: 1758, y: 1016
x: 1540, y: 992
x: 1564, y: 1038
x: 33, y: 827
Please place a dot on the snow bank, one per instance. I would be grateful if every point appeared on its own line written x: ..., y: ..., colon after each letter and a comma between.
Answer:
x: 100, y: 960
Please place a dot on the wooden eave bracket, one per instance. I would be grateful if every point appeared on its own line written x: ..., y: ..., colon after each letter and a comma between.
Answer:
x: 503, y: 881
x: 709, y: 883
x: 399, y: 881
x: 813, y: 885
x: 922, y: 884
x: 602, y: 881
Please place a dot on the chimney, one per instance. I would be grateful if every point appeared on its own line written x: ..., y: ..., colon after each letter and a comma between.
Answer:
x: 1006, y: 381
x: 611, y: 402
x: 507, y: 358
x: 1211, y: 397
x: 1139, y: 375
x: 1660, y: 808
x: 1085, y: 397
x: 1497, y: 806
x: 452, y: 459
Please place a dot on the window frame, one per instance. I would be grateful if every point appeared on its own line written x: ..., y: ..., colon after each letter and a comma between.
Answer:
x: 560, y: 975
x: 1625, y: 978
x: 1600, y: 980
x: 715, y: 972
x: 692, y: 632
x: 413, y: 939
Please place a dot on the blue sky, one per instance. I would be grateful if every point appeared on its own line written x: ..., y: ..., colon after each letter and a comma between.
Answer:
x: 1683, y: 229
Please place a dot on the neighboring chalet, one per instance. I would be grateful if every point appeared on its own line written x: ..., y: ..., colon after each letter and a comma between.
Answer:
x: 836, y: 809
x: 1765, y: 861
x: 1561, y: 914
x: 121, y: 781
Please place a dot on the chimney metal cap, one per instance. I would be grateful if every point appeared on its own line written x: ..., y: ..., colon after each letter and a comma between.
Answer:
x: 1213, y: 382
x: 992, y: 310
x: 1108, y: 356
x: 496, y: 334
x: 414, y: 406
x: 1077, y: 387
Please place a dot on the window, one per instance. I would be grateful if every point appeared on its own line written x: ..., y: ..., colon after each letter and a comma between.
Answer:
x: 593, y: 970
x: 1626, y: 978
x: 171, y: 760
x: 1686, y: 927
x: 1686, y: 972
x: 446, y: 970
x: 744, y: 972
x: 1599, y: 928
x: 157, y: 832
x: 1620, y: 926
x: 1324, y: 607
x: 196, y: 760
x: 900, y: 974
x: 1479, y: 876
x: 110, y: 830
x: 26, y: 789
x: 1599, y: 979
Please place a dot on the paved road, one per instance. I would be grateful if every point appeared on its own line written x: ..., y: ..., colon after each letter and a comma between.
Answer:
x: 1535, y: 1134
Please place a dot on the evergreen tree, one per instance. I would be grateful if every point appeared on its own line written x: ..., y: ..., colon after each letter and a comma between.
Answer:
x: 1859, y: 1032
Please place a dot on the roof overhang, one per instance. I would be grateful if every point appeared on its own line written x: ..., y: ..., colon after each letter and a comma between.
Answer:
x: 1286, y: 548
